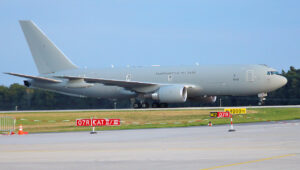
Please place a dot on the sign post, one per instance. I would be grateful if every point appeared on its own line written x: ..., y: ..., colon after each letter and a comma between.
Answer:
x: 231, y: 129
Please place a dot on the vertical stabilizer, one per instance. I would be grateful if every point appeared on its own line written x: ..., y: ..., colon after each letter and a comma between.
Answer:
x: 47, y: 57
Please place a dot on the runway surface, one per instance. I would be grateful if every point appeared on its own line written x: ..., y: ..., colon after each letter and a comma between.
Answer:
x: 272, y: 145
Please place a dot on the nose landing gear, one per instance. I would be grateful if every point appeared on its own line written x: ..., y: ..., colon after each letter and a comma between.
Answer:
x: 262, y: 98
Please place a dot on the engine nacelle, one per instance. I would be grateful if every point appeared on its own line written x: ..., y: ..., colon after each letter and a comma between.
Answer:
x: 171, y: 94
x: 27, y: 83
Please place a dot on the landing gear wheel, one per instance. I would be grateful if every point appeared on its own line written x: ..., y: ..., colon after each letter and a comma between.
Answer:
x: 261, y: 101
x: 145, y: 105
x: 137, y: 105
x: 262, y: 98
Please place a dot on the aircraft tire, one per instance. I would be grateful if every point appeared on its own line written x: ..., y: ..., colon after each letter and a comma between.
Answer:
x: 137, y: 105
x: 145, y: 105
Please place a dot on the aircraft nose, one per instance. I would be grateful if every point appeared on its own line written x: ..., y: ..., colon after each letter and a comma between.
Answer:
x: 276, y: 82
x: 282, y: 81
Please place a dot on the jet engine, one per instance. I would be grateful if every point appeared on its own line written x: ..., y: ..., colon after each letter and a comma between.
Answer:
x: 171, y: 94
x: 27, y: 83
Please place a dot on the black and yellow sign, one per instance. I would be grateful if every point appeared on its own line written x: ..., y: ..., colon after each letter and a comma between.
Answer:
x: 213, y: 114
x: 236, y: 110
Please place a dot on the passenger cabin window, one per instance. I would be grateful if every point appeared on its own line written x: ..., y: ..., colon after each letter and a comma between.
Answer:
x: 272, y: 73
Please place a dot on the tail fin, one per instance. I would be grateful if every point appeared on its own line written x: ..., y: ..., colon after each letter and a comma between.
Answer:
x: 47, y: 57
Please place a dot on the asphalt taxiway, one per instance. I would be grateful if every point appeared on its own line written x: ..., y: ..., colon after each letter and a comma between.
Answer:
x: 271, y: 145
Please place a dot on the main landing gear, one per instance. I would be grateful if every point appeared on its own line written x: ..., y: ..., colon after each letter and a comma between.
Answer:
x: 144, y: 105
x: 138, y: 105
x: 159, y: 105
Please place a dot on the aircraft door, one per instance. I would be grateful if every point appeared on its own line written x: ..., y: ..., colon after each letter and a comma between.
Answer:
x: 128, y: 77
x: 250, y: 75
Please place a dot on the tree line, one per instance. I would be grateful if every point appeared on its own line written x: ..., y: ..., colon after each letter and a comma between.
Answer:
x: 22, y: 98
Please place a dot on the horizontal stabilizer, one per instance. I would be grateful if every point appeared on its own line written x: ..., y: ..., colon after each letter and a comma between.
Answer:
x: 36, y: 78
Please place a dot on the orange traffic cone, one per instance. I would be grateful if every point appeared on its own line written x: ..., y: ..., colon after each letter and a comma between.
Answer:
x: 20, y: 132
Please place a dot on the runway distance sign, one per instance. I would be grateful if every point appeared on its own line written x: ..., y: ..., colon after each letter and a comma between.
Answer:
x: 219, y: 114
x: 236, y: 110
x: 98, y: 122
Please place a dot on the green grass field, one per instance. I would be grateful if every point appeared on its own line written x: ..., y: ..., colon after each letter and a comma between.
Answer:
x: 65, y: 121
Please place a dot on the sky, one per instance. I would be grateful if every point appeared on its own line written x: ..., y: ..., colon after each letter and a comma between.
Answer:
x: 98, y: 34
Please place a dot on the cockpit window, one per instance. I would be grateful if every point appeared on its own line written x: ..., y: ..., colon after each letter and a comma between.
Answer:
x: 272, y: 73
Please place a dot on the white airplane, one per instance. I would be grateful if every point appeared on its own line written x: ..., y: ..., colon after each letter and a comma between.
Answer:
x: 159, y: 85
